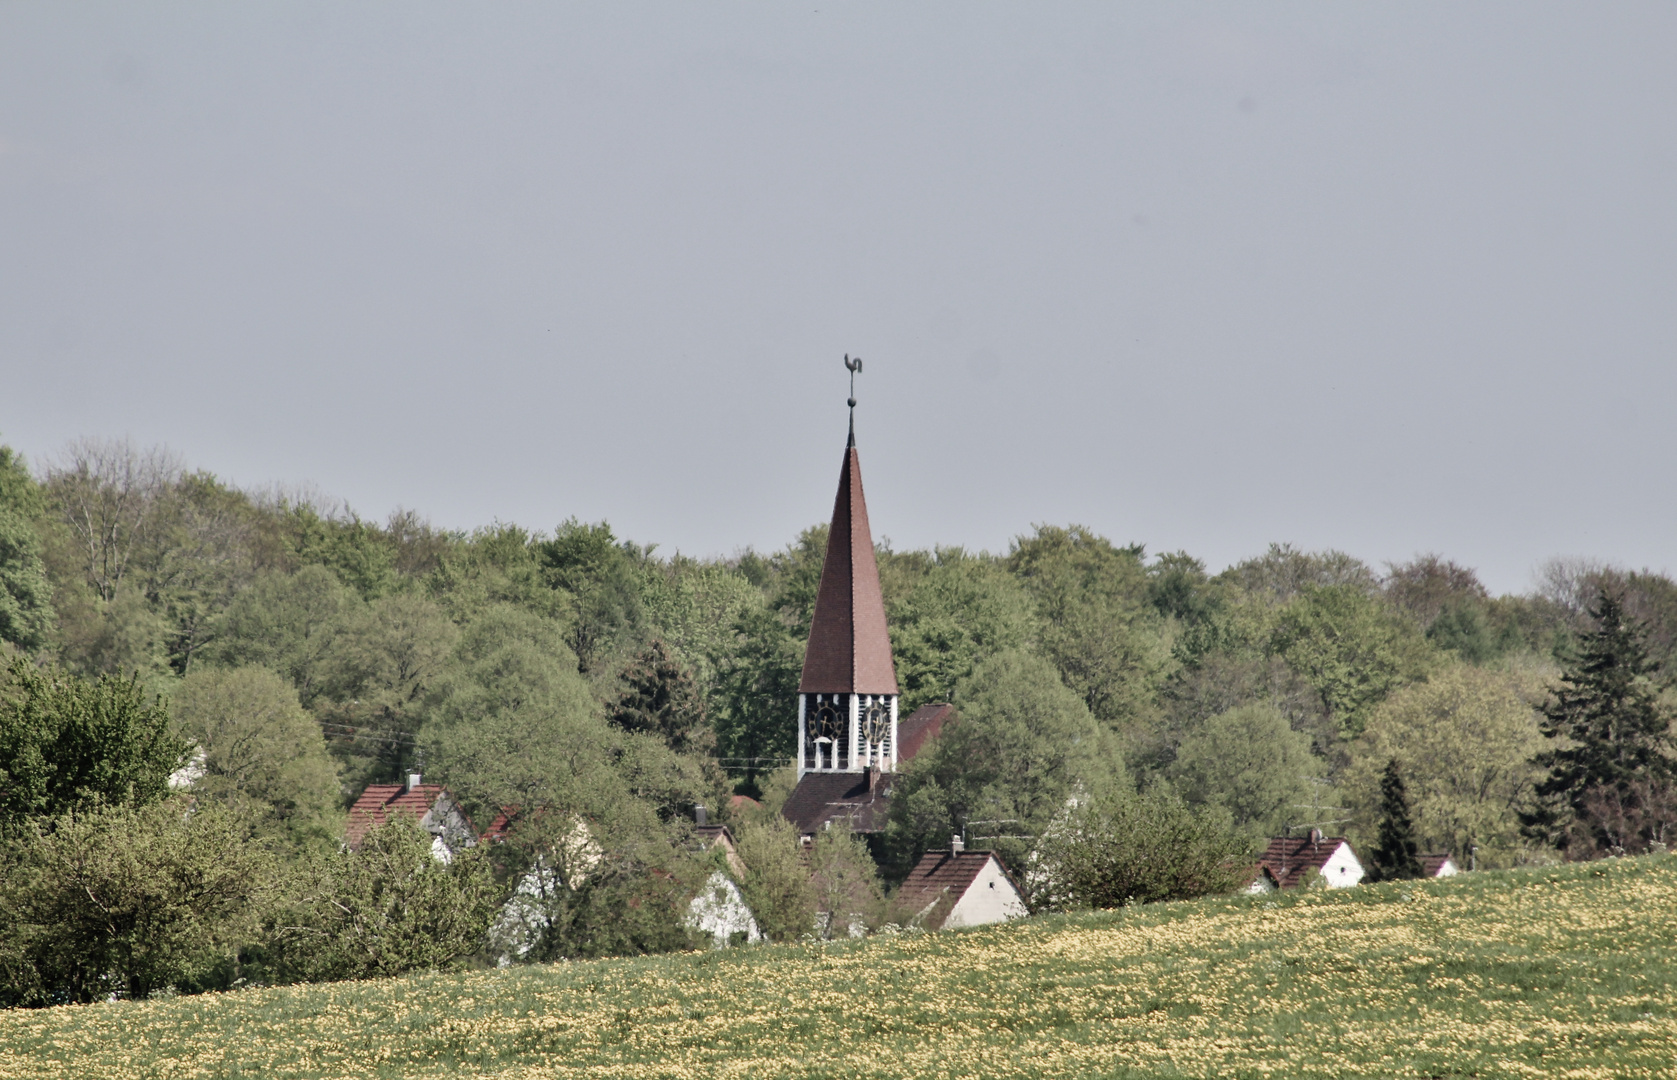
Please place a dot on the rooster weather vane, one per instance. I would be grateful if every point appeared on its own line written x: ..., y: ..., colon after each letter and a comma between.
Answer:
x: 854, y: 364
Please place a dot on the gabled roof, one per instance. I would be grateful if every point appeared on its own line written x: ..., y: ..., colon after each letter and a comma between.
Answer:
x: 1292, y: 859
x: 1431, y: 865
x: 1259, y: 878
x: 863, y: 799
x: 945, y: 872
x: 501, y: 826
x: 379, y: 801
x: 849, y: 647
x: 920, y: 727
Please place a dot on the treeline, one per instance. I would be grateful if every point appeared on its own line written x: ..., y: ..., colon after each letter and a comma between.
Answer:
x: 288, y: 652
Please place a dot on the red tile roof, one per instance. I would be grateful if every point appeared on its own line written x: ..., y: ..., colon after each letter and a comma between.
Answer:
x: 849, y: 646
x: 920, y: 727
x: 740, y: 802
x: 944, y: 872
x: 862, y: 798
x: 379, y: 801
x: 501, y: 826
x: 1292, y: 859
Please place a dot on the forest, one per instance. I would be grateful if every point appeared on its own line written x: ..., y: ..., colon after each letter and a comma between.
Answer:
x: 200, y: 679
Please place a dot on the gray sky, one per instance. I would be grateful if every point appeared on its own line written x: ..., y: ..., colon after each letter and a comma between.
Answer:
x: 1387, y: 278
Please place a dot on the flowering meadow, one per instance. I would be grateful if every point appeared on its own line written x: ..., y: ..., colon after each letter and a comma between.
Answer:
x: 1560, y: 972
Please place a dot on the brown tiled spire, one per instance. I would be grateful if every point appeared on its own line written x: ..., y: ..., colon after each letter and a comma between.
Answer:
x: 849, y: 647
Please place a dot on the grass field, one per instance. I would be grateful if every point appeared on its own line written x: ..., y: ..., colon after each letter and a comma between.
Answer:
x: 1562, y: 972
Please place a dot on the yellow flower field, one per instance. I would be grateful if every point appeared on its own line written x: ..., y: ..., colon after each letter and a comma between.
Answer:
x: 1567, y: 972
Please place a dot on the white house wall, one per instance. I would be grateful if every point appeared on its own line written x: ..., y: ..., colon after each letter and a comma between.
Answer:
x: 991, y: 898
x: 719, y: 910
x: 1342, y: 870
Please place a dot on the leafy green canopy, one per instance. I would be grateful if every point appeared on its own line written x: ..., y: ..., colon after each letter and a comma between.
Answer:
x: 1022, y: 746
x: 258, y: 750
x: 1464, y: 740
x: 66, y: 742
x: 1251, y: 763
x: 1126, y: 848
x: 386, y: 908
x: 127, y: 900
x: 26, y: 615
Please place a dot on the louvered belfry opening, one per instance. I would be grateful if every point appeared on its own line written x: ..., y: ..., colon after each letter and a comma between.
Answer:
x: 847, y: 701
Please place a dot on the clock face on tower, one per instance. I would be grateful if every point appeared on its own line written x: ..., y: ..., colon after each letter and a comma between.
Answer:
x: 876, y: 722
x: 828, y: 723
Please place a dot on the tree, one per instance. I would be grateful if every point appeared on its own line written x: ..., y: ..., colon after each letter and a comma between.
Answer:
x: 1023, y: 745
x: 108, y: 494
x: 632, y: 902
x: 511, y: 722
x: 496, y: 565
x: 1464, y: 740
x: 960, y: 611
x: 845, y: 881
x: 591, y: 564
x: 1100, y: 625
x: 1249, y: 762
x: 1614, y: 738
x: 127, y: 900
x: 1395, y: 856
x: 260, y: 752
x: 1283, y: 572
x: 1428, y: 585
x: 756, y: 691
x: 1126, y: 848
x: 386, y: 908
x: 66, y: 742
x: 289, y: 623
x: 659, y: 697
x: 776, y: 884
x: 26, y: 615
x: 1350, y: 648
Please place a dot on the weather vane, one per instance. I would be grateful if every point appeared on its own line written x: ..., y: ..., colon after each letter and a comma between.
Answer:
x: 854, y: 365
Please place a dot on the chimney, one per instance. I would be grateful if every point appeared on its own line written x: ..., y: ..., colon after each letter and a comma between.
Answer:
x: 1315, y: 837
x: 956, y: 844
x: 699, y: 814
x: 413, y: 780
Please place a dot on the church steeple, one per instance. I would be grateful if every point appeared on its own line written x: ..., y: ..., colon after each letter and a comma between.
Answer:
x: 847, y: 707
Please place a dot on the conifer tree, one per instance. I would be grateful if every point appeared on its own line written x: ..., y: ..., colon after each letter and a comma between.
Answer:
x: 1395, y: 857
x: 660, y: 697
x: 1611, y: 765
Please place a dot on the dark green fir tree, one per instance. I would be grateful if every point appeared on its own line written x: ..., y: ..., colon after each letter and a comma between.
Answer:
x: 1395, y: 856
x: 660, y: 697
x: 1609, y: 787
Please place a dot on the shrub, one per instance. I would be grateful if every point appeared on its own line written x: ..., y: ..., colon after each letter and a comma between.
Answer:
x: 1134, y: 849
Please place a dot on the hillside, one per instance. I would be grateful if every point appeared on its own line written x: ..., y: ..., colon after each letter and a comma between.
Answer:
x: 1568, y: 971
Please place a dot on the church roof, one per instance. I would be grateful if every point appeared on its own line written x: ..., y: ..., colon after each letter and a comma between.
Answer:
x: 849, y: 647
x: 921, y: 726
x: 862, y: 799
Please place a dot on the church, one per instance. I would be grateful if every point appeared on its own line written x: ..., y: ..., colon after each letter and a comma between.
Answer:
x: 851, y: 739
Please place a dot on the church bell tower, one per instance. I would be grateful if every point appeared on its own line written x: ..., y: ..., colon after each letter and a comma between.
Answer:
x: 847, y: 697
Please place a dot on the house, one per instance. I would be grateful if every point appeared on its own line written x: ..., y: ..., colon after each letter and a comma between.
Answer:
x: 720, y: 912
x: 1312, y: 859
x: 433, y: 805
x: 710, y: 836
x: 952, y: 888
x: 1262, y: 881
x: 1440, y: 865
